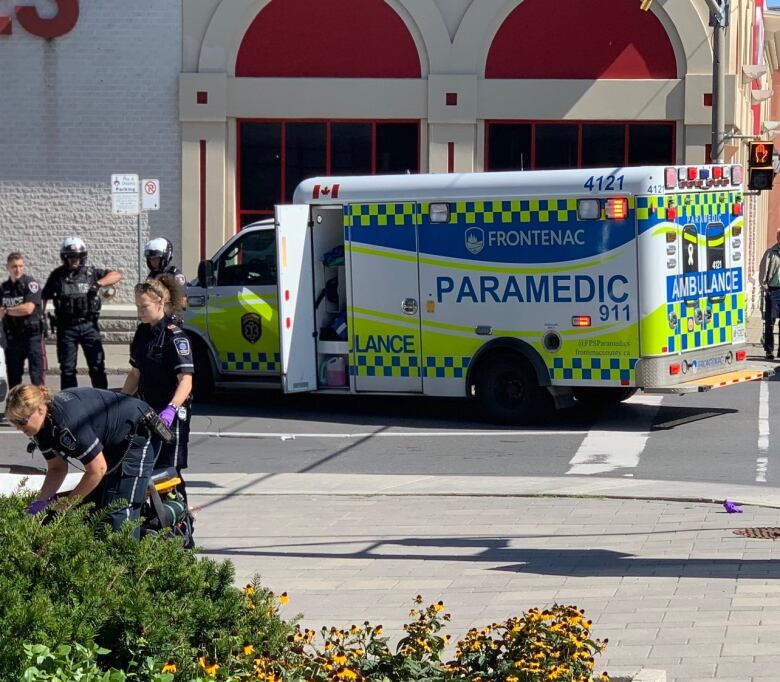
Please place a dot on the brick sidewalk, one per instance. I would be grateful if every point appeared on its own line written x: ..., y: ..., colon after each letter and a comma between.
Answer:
x: 669, y: 583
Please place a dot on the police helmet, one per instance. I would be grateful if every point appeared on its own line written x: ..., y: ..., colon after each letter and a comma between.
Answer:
x: 158, y: 248
x: 73, y: 246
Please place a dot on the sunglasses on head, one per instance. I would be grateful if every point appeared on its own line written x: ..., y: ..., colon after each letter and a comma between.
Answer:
x: 22, y: 421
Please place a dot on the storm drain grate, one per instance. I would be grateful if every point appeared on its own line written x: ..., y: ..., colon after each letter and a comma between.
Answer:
x: 759, y: 533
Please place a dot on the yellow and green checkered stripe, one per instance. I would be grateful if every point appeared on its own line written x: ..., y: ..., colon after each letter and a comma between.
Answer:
x: 692, y: 331
x: 379, y: 215
x: 514, y: 211
x: 586, y: 368
x: 688, y: 205
x: 251, y: 362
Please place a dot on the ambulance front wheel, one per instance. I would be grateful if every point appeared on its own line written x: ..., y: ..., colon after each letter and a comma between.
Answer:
x: 595, y: 396
x: 506, y: 387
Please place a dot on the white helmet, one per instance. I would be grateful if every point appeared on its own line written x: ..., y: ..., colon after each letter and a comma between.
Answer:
x: 73, y: 246
x: 159, y: 248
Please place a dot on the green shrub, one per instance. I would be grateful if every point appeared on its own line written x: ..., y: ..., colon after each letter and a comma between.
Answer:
x: 73, y: 581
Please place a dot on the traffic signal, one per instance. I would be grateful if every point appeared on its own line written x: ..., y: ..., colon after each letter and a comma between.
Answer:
x: 761, y: 172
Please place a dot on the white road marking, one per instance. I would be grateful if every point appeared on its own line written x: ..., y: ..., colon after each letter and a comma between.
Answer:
x: 762, y: 461
x: 605, y: 450
x: 379, y: 434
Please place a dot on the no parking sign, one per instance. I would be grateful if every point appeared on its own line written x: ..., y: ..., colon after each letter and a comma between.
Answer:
x: 150, y: 195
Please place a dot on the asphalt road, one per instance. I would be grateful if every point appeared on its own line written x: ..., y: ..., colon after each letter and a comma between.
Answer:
x: 727, y: 435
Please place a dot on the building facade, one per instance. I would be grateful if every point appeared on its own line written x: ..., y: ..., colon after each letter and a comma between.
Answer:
x: 273, y: 91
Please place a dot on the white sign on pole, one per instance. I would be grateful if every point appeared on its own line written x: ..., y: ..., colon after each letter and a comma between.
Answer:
x: 150, y: 195
x: 125, y: 199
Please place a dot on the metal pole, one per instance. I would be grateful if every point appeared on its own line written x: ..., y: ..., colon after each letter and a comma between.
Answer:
x: 718, y: 21
x: 140, y: 251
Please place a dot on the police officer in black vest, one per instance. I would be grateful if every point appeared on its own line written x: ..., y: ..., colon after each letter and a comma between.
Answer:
x: 20, y: 296
x: 111, y: 435
x: 74, y: 288
x: 162, y: 367
x: 158, y: 253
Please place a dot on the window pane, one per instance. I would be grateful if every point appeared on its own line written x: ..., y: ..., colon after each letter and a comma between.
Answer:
x: 305, y: 154
x: 509, y: 146
x: 603, y: 146
x: 251, y: 260
x: 350, y: 149
x: 650, y: 144
x: 248, y: 218
x: 261, y: 162
x: 396, y: 148
x: 556, y: 146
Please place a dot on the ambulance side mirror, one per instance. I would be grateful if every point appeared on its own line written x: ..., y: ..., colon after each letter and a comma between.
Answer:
x: 206, y: 274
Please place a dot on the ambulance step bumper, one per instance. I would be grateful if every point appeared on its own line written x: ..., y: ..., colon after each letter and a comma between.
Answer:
x: 717, y: 381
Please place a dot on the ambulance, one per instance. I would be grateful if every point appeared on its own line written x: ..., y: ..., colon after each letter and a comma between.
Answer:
x: 522, y: 290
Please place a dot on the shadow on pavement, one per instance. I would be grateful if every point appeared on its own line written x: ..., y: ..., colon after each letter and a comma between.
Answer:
x: 558, y: 562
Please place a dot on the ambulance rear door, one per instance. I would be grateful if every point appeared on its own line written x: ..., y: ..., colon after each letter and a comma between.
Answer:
x: 296, y: 304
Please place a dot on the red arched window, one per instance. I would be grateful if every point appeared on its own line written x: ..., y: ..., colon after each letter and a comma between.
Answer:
x: 608, y: 39
x: 333, y: 39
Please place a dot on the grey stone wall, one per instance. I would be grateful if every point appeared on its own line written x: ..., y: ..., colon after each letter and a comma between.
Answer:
x: 73, y: 110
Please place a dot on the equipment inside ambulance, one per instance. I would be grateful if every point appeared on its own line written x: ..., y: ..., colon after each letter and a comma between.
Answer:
x: 522, y: 290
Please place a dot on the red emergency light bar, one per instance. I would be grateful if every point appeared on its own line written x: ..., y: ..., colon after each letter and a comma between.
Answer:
x: 693, y: 173
x: 617, y: 208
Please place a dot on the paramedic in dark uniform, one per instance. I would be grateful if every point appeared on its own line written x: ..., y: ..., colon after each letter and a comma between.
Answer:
x: 162, y: 368
x: 74, y: 289
x: 106, y: 432
x: 20, y: 296
x: 158, y: 253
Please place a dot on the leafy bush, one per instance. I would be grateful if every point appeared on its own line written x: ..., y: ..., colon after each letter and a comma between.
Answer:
x: 73, y: 581
x: 79, y: 603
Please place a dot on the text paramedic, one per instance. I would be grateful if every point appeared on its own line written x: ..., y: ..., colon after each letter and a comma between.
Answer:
x: 533, y: 289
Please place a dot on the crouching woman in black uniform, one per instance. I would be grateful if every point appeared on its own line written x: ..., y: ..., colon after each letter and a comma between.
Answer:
x: 162, y: 367
x: 105, y: 431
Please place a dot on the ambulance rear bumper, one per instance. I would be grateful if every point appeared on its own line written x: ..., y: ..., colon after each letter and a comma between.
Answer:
x: 737, y: 376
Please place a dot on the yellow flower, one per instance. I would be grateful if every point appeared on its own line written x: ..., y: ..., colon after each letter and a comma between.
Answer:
x: 439, y: 606
x: 210, y: 670
x: 249, y: 590
x: 378, y: 630
x: 604, y: 677
x: 283, y: 598
x: 340, y: 659
x: 169, y: 667
x: 346, y: 674
x: 248, y: 649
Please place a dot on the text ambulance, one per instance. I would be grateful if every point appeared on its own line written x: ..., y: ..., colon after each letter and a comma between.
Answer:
x: 521, y: 289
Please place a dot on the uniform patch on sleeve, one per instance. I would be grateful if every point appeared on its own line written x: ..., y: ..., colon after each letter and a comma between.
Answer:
x: 33, y: 286
x: 182, y: 346
x: 67, y: 440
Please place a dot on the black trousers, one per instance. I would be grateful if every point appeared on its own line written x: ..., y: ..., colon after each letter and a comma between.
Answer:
x: 26, y: 347
x: 87, y: 335
x: 176, y: 453
x: 127, y: 480
x: 771, y: 315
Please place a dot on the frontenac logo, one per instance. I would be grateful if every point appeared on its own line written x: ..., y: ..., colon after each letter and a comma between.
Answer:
x: 475, y: 240
x: 251, y: 329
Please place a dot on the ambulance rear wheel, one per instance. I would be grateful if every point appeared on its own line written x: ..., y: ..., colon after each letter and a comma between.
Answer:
x: 507, y: 389
x: 594, y: 396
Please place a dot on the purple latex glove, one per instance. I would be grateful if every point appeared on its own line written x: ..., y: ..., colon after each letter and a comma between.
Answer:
x: 37, y: 507
x: 731, y: 507
x: 168, y: 415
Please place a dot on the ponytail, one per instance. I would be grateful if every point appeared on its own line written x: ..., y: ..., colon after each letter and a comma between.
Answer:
x: 166, y: 289
x: 24, y: 399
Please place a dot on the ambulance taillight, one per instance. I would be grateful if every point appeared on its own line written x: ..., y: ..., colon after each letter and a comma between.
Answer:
x: 671, y: 178
x: 674, y: 368
x: 580, y: 321
x: 617, y: 208
x: 740, y: 355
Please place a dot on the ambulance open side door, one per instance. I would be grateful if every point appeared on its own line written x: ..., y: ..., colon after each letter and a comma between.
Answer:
x: 297, y: 341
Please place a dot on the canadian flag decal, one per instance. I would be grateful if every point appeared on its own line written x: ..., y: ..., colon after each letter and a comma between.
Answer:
x: 319, y: 191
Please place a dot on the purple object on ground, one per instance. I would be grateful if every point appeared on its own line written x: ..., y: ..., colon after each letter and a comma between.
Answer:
x: 37, y: 507
x: 731, y: 507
